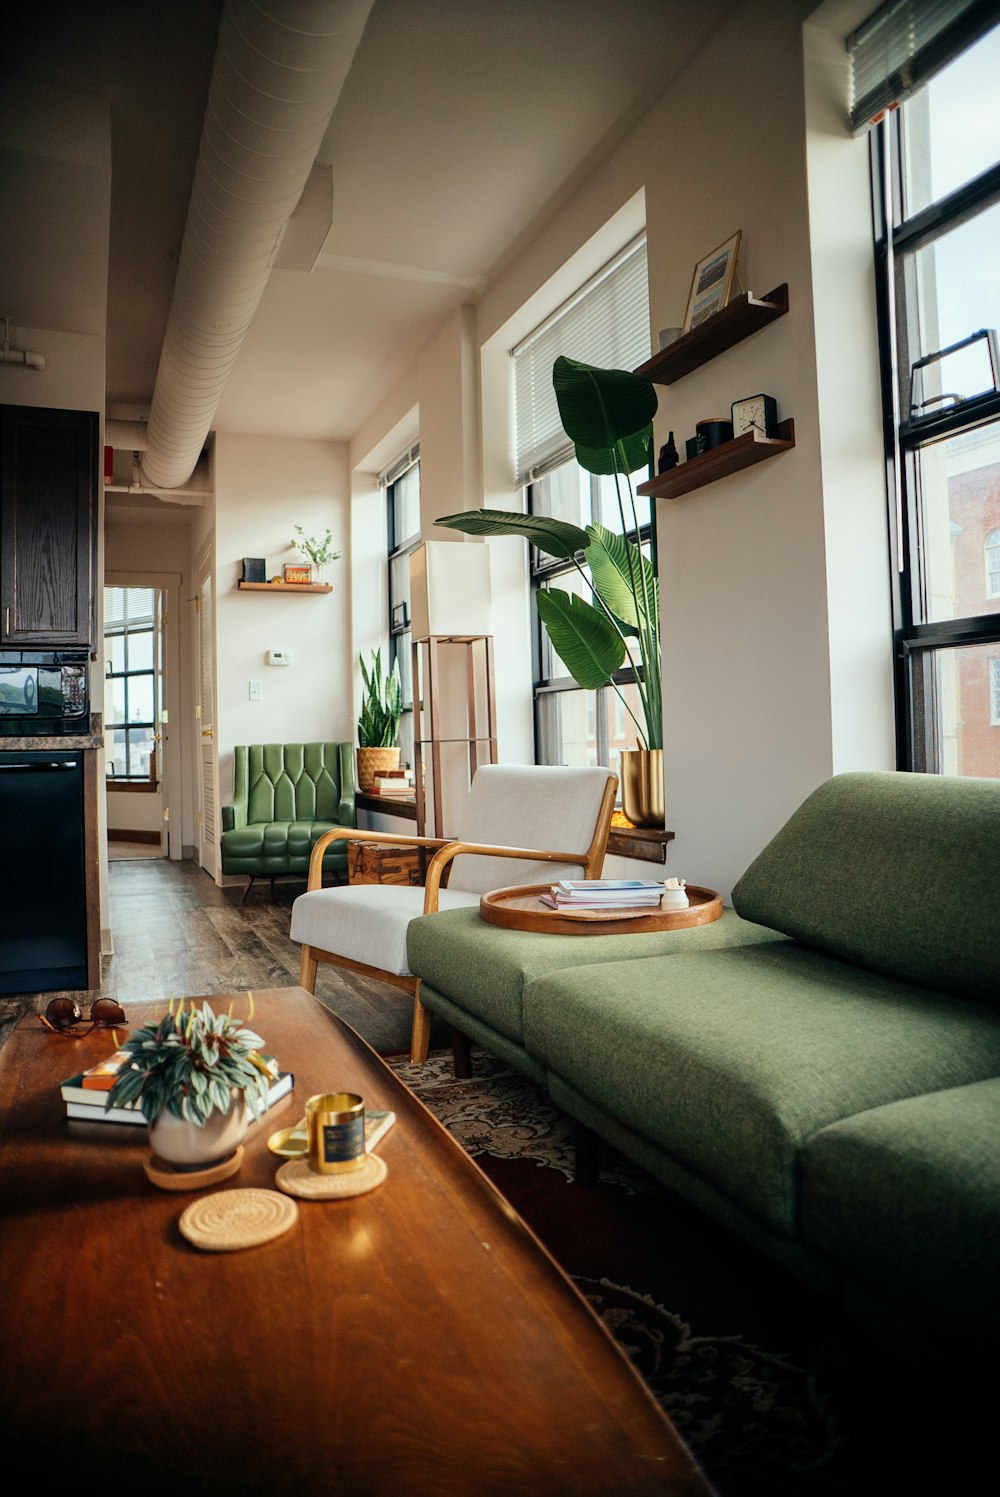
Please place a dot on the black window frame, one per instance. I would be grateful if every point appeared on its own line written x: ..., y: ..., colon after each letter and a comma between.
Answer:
x: 124, y: 632
x: 399, y: 546
x: 897, y: 237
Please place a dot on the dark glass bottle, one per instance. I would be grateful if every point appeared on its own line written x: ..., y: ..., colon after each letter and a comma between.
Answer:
x: 669, y: 456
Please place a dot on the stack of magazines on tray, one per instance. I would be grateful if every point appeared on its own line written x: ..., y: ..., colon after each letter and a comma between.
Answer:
x: 616, y: 893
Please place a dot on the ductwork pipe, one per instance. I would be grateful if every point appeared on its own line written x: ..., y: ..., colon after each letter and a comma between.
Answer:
x: 10, y: 355
x: 126, y: 436
x: 279, y: 69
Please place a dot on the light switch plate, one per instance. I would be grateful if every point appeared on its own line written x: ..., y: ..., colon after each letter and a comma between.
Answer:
x: 256, y: 691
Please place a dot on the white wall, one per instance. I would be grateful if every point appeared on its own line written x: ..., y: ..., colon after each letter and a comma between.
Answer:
x: 777, y: 666
x: 264, y: 486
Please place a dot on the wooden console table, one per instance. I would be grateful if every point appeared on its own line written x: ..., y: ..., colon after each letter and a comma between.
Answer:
x: 417, y: 1340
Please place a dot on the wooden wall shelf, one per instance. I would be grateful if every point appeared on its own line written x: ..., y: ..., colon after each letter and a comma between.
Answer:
x: 731, y: 457
x: 285, y: 587
x: 742, y: 317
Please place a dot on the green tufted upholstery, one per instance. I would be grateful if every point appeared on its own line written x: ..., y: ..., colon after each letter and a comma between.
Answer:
x: 285, y: 796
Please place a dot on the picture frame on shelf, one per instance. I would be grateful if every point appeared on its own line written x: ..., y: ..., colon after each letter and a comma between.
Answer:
x: 297, y: 572
x: 712, y: 282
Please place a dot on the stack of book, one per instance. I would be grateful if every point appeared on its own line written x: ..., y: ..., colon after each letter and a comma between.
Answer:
x: 604, y: 893
x: 86, y: 1093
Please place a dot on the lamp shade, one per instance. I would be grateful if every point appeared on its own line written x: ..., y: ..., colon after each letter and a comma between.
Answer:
x: 450, y: 589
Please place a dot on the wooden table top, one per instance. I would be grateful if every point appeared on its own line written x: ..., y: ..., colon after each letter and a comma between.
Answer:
x: 414, y: 1340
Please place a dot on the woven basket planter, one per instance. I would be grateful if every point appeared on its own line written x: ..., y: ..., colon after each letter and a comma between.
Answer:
x: 375, y: 761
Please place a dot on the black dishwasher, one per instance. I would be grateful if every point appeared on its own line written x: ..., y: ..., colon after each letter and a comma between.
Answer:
x: 43, y: 906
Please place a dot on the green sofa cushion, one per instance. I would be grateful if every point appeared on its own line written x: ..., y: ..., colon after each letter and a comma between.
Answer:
x: 908, y: 1198
x: 485, y: 969
x: 898, y: 872
x: 279, y: 847
x: 730, y: 1061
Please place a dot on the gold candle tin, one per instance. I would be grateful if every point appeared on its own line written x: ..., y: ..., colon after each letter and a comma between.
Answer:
x: 335, y: 1125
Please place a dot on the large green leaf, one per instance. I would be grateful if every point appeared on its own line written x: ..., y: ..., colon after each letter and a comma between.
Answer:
x: 600, y: 408
x: 624, y: 578
x: 627, y: 455
x: 555, y: 537
x: 584, y: 639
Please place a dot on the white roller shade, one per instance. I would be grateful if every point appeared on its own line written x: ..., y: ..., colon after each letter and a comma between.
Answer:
x: 607, y: 324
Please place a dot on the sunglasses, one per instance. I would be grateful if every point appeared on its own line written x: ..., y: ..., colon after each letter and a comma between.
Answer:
x: 65, y: 1016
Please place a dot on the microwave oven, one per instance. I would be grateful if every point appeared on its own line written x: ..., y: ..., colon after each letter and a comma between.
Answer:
x: 43, y: 693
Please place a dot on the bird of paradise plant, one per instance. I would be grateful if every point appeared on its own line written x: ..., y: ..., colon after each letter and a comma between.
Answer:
x: 608, y: 415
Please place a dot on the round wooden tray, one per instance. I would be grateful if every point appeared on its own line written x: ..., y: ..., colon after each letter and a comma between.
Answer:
x: 519, y: 908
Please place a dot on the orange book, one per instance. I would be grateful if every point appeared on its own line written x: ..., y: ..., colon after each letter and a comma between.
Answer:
x: 102, y: 1078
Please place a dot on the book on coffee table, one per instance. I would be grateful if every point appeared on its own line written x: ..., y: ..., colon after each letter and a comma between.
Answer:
x: 88, y: 1106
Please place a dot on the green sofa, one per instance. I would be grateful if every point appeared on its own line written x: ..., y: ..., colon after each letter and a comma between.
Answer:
x: 285, y: 796
x: 820, y: 1070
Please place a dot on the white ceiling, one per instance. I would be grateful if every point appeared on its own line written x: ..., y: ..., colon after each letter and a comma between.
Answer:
x: 460, y: 124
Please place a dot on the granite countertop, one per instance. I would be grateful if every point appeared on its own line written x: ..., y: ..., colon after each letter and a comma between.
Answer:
x: 92, y: 739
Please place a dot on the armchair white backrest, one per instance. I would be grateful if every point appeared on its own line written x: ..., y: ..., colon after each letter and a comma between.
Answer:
x: 527, y: 806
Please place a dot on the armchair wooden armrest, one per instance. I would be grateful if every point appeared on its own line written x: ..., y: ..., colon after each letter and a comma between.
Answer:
x: 345, y: 834
x: 440, y: 861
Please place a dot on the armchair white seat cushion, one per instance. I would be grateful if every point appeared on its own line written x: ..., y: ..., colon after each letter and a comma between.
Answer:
x: 551, y: 821
x: 367, y: 922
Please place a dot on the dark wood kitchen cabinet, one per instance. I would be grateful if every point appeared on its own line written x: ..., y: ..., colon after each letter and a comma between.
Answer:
x: 48, y: 526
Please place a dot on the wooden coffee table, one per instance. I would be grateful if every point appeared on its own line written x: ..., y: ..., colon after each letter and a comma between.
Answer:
x: 415, y: 1340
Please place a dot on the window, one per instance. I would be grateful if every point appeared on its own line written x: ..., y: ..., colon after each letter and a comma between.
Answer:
x: 402, y: 488
x: 995, y: 691
x: 993, y: 564
x: 936, y: 163
x: 573, y: 726
x: 130, y: 686
x: 607, y: 324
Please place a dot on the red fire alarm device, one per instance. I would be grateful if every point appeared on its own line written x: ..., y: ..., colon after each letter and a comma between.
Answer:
x: 109, y: 464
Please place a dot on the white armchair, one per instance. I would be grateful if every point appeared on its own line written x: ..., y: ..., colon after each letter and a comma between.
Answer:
x: 518, y: 812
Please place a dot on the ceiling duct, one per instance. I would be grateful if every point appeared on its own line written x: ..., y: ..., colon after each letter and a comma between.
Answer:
x: 279, y: 69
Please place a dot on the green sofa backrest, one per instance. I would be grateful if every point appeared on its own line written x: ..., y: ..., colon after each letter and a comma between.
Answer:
x: 296, y: 781
x: 897, y: 872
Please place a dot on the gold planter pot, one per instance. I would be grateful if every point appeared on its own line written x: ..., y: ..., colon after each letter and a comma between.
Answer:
x: 642, y: 786
x: 375, y: 761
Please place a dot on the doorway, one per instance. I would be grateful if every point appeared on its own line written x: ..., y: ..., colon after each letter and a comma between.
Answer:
x: 135, y: 744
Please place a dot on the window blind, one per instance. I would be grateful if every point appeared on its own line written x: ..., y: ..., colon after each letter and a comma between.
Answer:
x: 906, y: 42
x: 606, y: 323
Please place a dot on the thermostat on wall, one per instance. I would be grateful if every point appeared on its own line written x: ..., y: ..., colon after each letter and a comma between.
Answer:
x: 279, y: 657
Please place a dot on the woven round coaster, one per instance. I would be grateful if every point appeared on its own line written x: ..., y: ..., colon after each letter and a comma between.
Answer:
x: 297, y: 1179
x: 237, y: 1219
x: 168, y: 1177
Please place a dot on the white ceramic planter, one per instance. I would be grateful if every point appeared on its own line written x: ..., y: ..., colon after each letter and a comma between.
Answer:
x: 182, y: 1143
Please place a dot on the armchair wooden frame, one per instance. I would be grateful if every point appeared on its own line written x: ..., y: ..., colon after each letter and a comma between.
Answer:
x: 590, y: 861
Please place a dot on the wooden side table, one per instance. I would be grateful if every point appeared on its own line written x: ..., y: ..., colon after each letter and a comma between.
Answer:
x: 384, y: 863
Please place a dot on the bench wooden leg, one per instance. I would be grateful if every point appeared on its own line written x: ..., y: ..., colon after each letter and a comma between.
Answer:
x: 307, y: 970
x: 461, y: 1049
x: 587, y: 1163
x: 420, y: 1036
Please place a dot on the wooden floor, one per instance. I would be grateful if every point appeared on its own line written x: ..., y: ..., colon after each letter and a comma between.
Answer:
x: 176, y: 934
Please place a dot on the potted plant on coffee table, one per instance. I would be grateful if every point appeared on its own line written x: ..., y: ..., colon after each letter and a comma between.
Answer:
x: 193, y: 1073
x: 378, y: 725
x: 608, y: 414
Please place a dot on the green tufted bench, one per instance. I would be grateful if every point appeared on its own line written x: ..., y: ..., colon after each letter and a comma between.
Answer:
x: 285, y: 796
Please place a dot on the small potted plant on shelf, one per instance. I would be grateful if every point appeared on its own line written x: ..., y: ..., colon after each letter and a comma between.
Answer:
x: 318, y: 549
x: 378, y: 725
x: 193, y: 1074
x: 608, y: 414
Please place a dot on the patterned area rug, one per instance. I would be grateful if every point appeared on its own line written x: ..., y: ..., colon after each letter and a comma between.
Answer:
x: 772, y: 1390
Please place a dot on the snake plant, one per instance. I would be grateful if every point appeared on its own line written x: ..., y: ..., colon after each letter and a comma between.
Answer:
x: 381, y: 706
